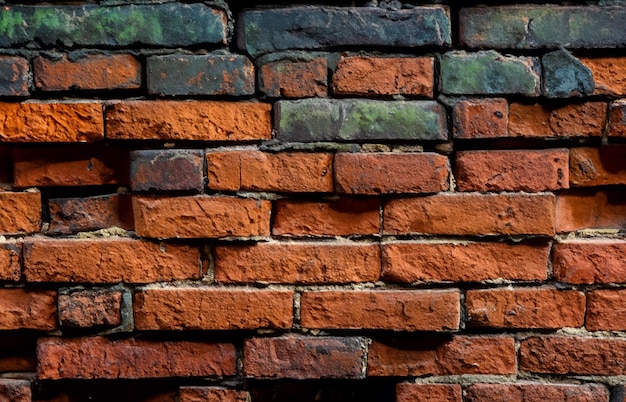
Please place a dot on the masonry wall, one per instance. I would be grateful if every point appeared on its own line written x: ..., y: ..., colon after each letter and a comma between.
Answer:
x: 345, y: 202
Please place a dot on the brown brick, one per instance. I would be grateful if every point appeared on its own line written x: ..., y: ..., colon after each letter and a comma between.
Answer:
x: 472, y: 213
x: 167, y: 170
x: 410, y: 392
x: 423, y: 261
x: 575, y: 120
x: 617, y: 120
x: 303, y: 357
x: 432, y: 356
x: 589, y: 261
x: 109, y: 260
x: 10, y: 267
x: 512, y: 170
x: 90, y: 308
x: 29, y: 309
x: 573, y: 355
x: 594, y: 210
x: 301, y: 263
x: 294, y: 78
x: 261, y: 171
x: 70, y: 215
x: 380, y: 173
x: 13, y: 390
x: 61, y: 358
x: 342, y: 217
x: 203, y: 216
x: 609, y: 74
x: 208, y: 308
x: 20, y: 212
x: 606, y: 309
x: 537, y: 392
x: 188, y: 120
x: 398, y: 310
x: 525, y: 308
x: 14, y: 76
x: 90, y: 72
x: 211, y: 394
x: 598, y: 166
x: 51, y: 122
x: 480, y: 118
x: 367, y: 76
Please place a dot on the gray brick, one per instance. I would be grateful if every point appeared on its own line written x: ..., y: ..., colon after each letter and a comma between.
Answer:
x: 167, y: 170
x: 564, y: 75
x: 14, y: 76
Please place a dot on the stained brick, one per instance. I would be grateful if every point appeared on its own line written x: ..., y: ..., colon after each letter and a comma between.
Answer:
x: 214, y: 394
x: 407, y: 392
x: 167, y: 170
x: 10, y: 267
x: 589, y: 261
x: 480, y: 118
x: 28, y: 309
x: 90, y: 308
x: 20, y: 212
x: 617, y: 124
x: 14, y: 76
x: 598, y: 166
x: 605, y: 310
x: 294, y: 78
x: 575, y: 120
x: 15, y: 390
x: 590, y: 210
x: 70, y: 215
x: 565, y: 76
x: 537, y: 392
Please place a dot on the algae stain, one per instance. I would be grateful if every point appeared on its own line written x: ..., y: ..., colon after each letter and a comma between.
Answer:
x: 10, y: 22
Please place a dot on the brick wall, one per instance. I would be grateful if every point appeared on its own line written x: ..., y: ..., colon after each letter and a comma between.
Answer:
x: 356, y: 202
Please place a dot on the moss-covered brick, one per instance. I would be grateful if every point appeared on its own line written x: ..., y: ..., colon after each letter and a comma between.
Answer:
x: 564, y: 75
x: 489, y: 73
x: 310, y: 120
x: 548, y: 26
x: 182, y: 74
x: 271, y: 30
x: 171, y: 24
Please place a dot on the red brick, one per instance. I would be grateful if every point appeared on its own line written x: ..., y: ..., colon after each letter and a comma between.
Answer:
x: 29, y: 309
x: 512, y: 170
x: 167, y: 170
x: 14, y: 76
x: 201, y: 216
x: 51, y: 122
x: 432, y: 356
x: 480, y: 118
x: 294, y: 78
x: 590, y: 210
x: 90, y: 308
x: 70, y: 215
x: 109, y: 260
x: 90, y: 72
x: 10, y: 267
x: 367, y: 76
x: 525, y: 308
x: 608, y: 74
x: 302, y: 357
x: 617, y: 120
x: 208, y: 308
x: 423, y: 261
x: 342, y: 217
x: 598, y: 166
x: 606, y: 309
x: 537, y: 392
x: 61, y: 358
x: 472, y: 214
x: 301, y: 263
x: 409, y: 392
x: 15, y: 390
x: 573, y: 355
x: 380, y: 173
x: 211, y: 394
x: 589, y: 261
x: 20, y: 212
x: 398, y: 310
x: 575, y: 120
x: 261, y: 171
x: 188, y: 120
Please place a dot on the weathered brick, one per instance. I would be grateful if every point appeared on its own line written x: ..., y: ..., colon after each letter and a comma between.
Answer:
x: 341, y: 217
x: 445, y: 356
x: 70, y: 215
x: 328, y: 27
x: 203, y: 216
x: 62, y: 358
x: 565, y: 76
x: 302, y: 263
x: 302, y: 357
x: 512, y: 170
x: 188, y: 120
x: 609, y: 74
x: 51, y: 122
x: 595, y: 210
x: 20, y: 212
x: 108, y: 261
x: 605, y: 310
x: 213, y: 74
x: 525, y: 308
x: 88, y: 72
x: 28, y: 309
x: 408, y: 392
x: 589, y: 261
x: 167, y: 170
x: 10, y: 255
x: 14, y: 76
x: 14, y: 390
x: 482, y: 214
x: 213, y: 394
x: 294, y: 78
x: 573, y: 355
x: 310, y: 120
x: 206, y: 308
x: 90, y: 307
x: 480, y: 118
x: 367, y: 76
x: 598, y: 166
x: 423, y: 261
x: 537, y: 392
x: 380, y: 173
x: 398, y: 310
x: 575, y: 120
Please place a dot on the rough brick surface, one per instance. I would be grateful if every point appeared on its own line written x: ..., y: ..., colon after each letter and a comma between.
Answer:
x: 20, y: 212
x: 90, y: 308
x: 70, y: 215
x: 14, y: 390
x: 217, y: 394
x: 591, y: 210
x: 167, y: 170
x: 589, y: 261
x: 575, y: 120
x: 537, y: 392
x: 294, y: 78
x: 480, y: 118
x: 605, y: 309
x: 10, y: 266
x: 598, y: 166
x: 617, y: 119
x: 565, y: 76
x: 14, y: 76
x: 36, y: 309
x: 608, y: 74
x: 407, y: 392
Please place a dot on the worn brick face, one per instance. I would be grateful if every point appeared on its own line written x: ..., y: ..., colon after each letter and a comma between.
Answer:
x: 406, y: 392
x: 90, y: 308
x: 605, y: 309
x: 598, y: 166
x: 575, y: 120
x: 14, y: 390
x: 537, y: 392
x: 294, y: 78
x: 14, y: 76
x: 480, y: 118
x: 20, y: 212
x: 590, y: 210
x: 589, y: 261
x: 24, y: 309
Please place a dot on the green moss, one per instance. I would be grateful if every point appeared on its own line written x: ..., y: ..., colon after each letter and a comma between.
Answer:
x: 10, y: 22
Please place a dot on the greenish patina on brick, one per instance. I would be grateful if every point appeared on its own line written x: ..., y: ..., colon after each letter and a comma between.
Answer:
x: 564, y: 75
x: 489, y: 73
x: 311, y: 120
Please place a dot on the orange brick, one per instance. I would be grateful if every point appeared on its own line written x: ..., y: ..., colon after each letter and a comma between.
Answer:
x: 28, y: 309
x: 410, y: 392
x: 302, y: 263
x: 576, y: 120
x: 294, y: 78
x: 595, y: 210
x: 10, y: 267
x: 589, y: 261
x: 86, y: 308
x: 609, y: 74
x: 537, y: 392
x: 213, y: 394
x: 189, y: 120
x: 193, y: 308
x: 201, y: 216
x: 14, y: 390
x: 606, y: 309
x: 480, y: 118
x: 598, y: 166
x: 20, y: 212
x: 617, y: 118
x: 398, y: 310
x: 70, y: 215
x: 367, y: 76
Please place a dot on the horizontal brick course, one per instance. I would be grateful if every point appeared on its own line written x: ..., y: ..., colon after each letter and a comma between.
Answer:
x: 537, y: 392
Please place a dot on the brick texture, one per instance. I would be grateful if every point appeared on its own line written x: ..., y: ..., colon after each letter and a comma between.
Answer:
x: 597, y: 166
x: 203, y: 394
x: 90, y: 308
x: 294, y: 78
x: 576, y: 120
x: 590, y: 210
x: 480, y: 118
x: 589, y: 261
x: 605, y: 307
x: 28, y: 309
x: 537, y: 392
x: 15, y: 390
x: 406, y: 392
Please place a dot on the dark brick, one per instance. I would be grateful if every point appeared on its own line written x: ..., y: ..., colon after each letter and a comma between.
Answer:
x: 14, y: 76
x: 70, y: 215
x: 565, y: 76
x: 294, y: 78
x: 90, y: 307
x: 617, y: 116
x: 216, y: 74
x: 14, y: 390
x: 163, y: 170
